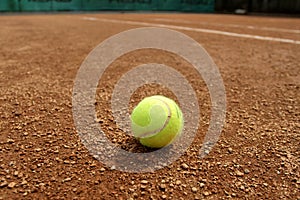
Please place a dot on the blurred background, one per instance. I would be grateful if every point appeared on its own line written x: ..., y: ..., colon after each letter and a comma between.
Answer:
x: 203, y: 6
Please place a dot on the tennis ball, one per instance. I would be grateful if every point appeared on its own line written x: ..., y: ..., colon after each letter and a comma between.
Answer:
x: 156, y: 121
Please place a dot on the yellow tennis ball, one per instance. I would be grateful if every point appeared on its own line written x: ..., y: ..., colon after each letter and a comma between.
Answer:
x: 156, y: 121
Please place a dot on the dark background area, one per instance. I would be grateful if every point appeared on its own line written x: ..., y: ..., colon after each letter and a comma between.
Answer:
x: 195, y: 6
x: 259, y: 6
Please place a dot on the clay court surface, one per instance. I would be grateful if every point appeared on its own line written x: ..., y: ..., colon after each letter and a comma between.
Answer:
x: 257, y: 156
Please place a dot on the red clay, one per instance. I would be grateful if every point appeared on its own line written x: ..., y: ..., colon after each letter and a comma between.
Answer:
x: 42, y: 157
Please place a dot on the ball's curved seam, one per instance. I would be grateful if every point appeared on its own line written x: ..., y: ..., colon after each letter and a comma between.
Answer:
x: 165, y: 123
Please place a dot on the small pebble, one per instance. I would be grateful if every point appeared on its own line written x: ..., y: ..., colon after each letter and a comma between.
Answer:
x: 238, y: 173
x: 12, y: 185
x: 194, y: 189
x: 24, y: 182
x: 205, y: 193
x: 162, y: 186
x: 113, y: 167
x: 3, y: 184
x: 102, y: 169
x: 67, y: 179
x: 178, y: 182
x: 184, y: 166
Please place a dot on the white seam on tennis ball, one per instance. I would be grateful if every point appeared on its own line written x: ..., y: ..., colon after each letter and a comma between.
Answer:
x: 152, y: 133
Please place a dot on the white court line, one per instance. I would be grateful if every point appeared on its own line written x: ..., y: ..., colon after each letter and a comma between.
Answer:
x: 90, y: 18
x: 230, y: 25
x: 197, y: 30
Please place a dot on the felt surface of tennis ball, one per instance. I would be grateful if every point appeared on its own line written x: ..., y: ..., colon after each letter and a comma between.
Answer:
x: 156, y: 121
